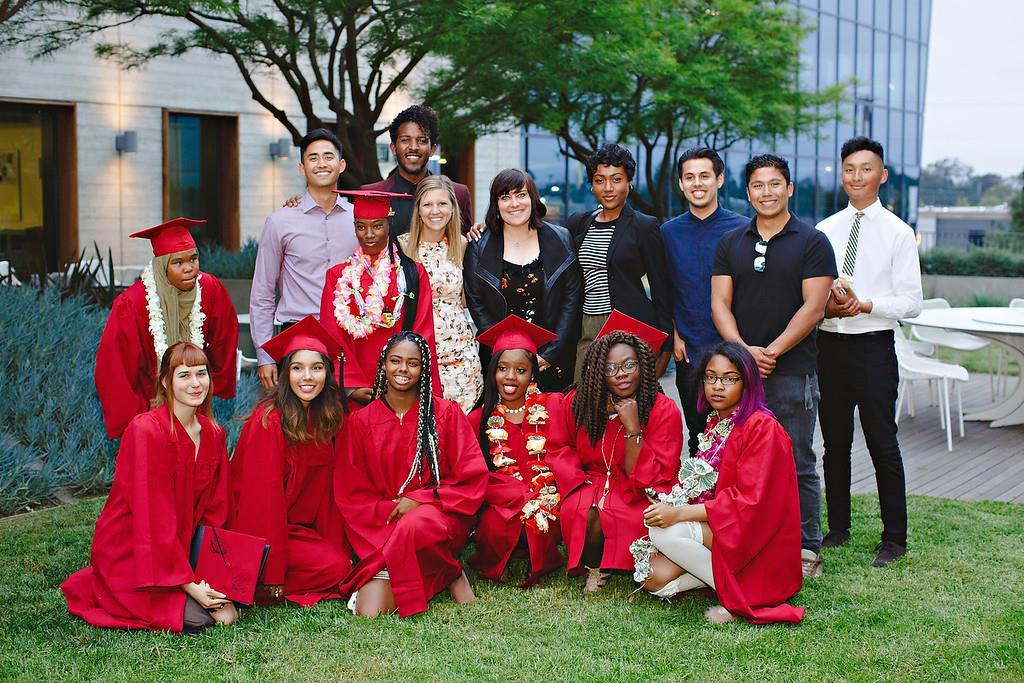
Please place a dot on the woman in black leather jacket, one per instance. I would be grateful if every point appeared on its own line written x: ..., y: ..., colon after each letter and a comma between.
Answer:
x: 526, y: 266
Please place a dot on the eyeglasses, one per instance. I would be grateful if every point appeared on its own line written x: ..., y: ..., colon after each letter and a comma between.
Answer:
x: 726, y: 380
x: 761, y: 260
x: 629, y: 367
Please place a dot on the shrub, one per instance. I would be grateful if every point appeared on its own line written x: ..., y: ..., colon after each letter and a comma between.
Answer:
x: 51, y: 428
x: 985, y: 262
x: 222, y: 263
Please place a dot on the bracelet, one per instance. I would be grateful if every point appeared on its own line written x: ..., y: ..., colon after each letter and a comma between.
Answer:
x: 637, y: 436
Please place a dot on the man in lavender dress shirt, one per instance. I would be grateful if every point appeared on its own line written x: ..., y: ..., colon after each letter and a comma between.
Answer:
x: 298, y: 244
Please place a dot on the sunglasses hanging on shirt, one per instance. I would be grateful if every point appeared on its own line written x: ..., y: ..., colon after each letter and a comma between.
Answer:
x: 761, y: 260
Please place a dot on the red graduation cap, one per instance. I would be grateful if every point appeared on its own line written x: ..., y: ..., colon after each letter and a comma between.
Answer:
x: 310, y: 335
x: 171, y: 236
x: 371, y: 204
x: 515, y: 333
x: 619, y: 321
x: 305, y: 335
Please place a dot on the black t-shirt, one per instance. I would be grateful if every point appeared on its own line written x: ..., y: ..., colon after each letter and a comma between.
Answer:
x: 763, y: 303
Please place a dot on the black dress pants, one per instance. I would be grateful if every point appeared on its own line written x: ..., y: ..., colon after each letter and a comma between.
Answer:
x: 689, y: 384
x: 860, y: 370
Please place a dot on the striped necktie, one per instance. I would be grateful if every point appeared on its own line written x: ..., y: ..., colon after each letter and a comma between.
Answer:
x: 850, y: 260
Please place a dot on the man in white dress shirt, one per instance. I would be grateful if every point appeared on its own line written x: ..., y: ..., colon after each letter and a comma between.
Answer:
x: 879, y: 283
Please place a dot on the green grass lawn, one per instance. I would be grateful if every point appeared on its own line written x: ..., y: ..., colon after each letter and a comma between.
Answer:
x: 951, y: 610
x: 979, y: 361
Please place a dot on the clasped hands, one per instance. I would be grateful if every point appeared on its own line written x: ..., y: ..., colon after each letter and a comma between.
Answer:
x: 665, y: 515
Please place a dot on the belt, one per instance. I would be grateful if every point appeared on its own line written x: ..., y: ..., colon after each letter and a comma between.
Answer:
x: 859, y: 335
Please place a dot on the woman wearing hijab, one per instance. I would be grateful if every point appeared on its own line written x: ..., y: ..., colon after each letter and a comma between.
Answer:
x: 172, y: 302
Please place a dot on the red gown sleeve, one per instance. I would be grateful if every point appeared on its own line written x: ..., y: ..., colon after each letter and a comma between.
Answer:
x: 423, y: 324
x: 158, y: 557
x: 657, y: 465
x: 257, y: 491
x: 463, y: 470
x: 327, y: 301
x: 562, y: 457
x: 220, y: 333
x: 214, y: 507
x: 118, y: 359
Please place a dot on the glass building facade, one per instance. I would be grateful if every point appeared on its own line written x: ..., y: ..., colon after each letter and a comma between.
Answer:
x: 879, y: 46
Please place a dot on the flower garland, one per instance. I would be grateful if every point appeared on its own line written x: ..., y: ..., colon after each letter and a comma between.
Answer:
x: 697, y: 479
x: 373, y: 309
x: 157, y: 328
x: 542, y: 507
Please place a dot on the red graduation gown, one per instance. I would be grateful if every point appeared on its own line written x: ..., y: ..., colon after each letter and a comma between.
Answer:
x: 421, y: 549
x: 755, y: 519
x: 162, y: 491
x: 285, y: 494
x: 367, y: 350
x: 126, y: 362
x: 498, y: 528
x: 580, y: 473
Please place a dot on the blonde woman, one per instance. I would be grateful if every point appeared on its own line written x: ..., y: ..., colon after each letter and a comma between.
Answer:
x: 435, y: 240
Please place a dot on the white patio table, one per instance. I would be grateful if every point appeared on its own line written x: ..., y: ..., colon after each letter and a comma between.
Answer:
x: 1005, y: 326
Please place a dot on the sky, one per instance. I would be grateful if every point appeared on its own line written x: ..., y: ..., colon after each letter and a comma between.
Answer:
x: 974, y: 103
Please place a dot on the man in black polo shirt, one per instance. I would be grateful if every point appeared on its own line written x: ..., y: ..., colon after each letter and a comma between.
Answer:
x: 769, y: 285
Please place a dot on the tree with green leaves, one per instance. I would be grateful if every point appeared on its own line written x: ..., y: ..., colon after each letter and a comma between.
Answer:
x: 664, y: 74
x: 343, y: 60
x: 1017, y: 209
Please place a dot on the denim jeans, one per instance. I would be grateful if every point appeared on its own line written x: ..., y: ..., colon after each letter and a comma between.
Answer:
x: 794, y: 400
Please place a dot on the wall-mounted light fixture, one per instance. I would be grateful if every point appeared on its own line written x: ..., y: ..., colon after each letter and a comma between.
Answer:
x: 127, y: 141
x: 280, y: 149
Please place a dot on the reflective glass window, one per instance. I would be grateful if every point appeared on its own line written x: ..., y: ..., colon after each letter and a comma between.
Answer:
x: 808, y: 74
x: 896, y: 66
x: 828, y: 57
x: 926, y: 19
x: 548, y: 168
x: 826, y: 190
x: 911, y: 138
x: 845, y: 125
x: 803, y: 181
x: 899, y: 17
x: 847, y: 50
x: 880, y: 127
x: 880, y: 79
x: 882, y: 14
x: 734, y: 188
x: 865, y: 13
x: 829, y: 6
x: 912, y: 92
x: 923, y: 76
x: 914, y: 19
x: 864, y: 53
x: 848, y: 8
x: 894, y: 150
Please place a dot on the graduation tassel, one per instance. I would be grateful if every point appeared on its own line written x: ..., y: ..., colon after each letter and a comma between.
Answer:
x: 604, y: 493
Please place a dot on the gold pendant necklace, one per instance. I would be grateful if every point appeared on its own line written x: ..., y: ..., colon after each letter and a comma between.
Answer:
x: 607, y: 465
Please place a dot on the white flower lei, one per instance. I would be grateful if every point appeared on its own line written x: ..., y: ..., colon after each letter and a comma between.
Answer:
x: 156, y: 317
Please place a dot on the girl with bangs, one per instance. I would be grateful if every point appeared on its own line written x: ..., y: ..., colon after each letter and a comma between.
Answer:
x: 524, y: 266
x: 733, y: 521
x: 171, y: 476
x: 282, y: 472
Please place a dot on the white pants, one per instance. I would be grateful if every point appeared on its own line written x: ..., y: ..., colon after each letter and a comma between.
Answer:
x: 683, y: 543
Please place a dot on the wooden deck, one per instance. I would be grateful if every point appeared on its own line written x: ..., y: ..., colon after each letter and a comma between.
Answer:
x: 986, y: 464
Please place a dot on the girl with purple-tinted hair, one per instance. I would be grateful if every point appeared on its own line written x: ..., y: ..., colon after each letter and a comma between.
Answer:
x: 733, y: 521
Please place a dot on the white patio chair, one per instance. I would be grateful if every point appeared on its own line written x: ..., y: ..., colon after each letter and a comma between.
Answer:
x: 959, y: 341
x: 243, y: 363
x: 1016, y: 303
x: 7, y: 275
x: 915, y: 368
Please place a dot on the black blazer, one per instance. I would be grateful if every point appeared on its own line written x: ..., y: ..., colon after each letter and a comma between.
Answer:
x: 563, y: 295
x: 636, y: 250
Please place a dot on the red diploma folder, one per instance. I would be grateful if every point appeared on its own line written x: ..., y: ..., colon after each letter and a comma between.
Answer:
x: 231, y: 562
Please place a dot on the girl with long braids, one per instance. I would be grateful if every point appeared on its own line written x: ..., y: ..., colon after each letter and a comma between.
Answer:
x: 282, y: 472
x: 741, y: 534
x: 171, y: 476
x: 376, y: 292
x: 521, y: 503
x: 408, y: 481
x: 615, y: 436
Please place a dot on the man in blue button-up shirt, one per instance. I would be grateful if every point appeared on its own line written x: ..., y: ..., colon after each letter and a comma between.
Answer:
x: 690, y: 242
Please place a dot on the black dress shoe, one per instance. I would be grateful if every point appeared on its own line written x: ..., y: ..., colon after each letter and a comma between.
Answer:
x: 888, y: 552
x: 834, y: 539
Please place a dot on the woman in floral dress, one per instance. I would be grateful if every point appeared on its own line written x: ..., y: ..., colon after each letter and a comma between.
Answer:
x: 435, y: 241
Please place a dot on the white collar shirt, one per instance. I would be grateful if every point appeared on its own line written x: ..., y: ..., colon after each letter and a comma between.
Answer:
x: 887, y: 269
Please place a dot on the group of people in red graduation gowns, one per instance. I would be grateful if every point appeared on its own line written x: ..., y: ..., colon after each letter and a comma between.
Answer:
x: 374, y: 500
